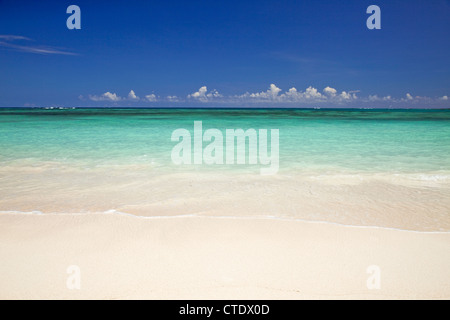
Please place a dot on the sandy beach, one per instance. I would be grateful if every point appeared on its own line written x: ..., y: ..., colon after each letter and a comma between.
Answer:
x: 125, y: 257
x: 359, y: 208
x: 225, y: 150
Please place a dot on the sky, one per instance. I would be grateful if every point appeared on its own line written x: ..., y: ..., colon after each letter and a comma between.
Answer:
x: 297, y: 53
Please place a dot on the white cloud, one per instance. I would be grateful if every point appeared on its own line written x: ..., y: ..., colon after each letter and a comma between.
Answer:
x: 346, y: 96
x: 271, y: 94
x: 310, y: 94
x: 203, y: 95
x: 273, y: 91
x: 107, y: 96
x: 377, y: 98
x: 275, y: 95
x: 292, y: 95
x: 151, y: 98
x: 132, y: 96
x: 214, y: 94
x: 172, y: 98
x: 330, y: 91
x: 111, y: 96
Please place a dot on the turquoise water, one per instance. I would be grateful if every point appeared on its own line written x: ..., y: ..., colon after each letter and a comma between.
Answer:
x: 406, y: 141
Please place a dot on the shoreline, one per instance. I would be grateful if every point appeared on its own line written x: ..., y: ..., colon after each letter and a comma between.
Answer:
x: 194, y: 216
x: 385, y: 201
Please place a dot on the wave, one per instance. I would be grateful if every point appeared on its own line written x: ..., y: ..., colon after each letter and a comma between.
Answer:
x: 187, y: 216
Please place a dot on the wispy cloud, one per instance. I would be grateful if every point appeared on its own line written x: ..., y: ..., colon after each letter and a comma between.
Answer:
x: 10, y: 41
x: 10, y: 37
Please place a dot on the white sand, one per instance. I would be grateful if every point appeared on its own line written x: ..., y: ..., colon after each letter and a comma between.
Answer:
x: 215, y: 258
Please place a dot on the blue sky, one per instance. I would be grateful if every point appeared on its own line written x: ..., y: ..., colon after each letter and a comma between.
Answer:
x: 305, y: 53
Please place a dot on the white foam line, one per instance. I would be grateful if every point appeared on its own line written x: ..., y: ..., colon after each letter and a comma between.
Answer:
x: 23, y: 212
x: 129, y: 215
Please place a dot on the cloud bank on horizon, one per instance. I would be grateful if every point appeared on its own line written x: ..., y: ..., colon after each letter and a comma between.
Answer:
x: 275, y: 96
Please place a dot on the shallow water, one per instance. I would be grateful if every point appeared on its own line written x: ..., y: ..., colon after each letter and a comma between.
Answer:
x: 404, y: 141
x: 359, y: 167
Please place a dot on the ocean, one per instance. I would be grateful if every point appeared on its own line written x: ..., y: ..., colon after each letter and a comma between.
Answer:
x: 105, y: 160
x: 402, y: 141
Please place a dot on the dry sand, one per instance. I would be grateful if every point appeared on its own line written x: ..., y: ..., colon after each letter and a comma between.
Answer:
x: 215, y: 258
